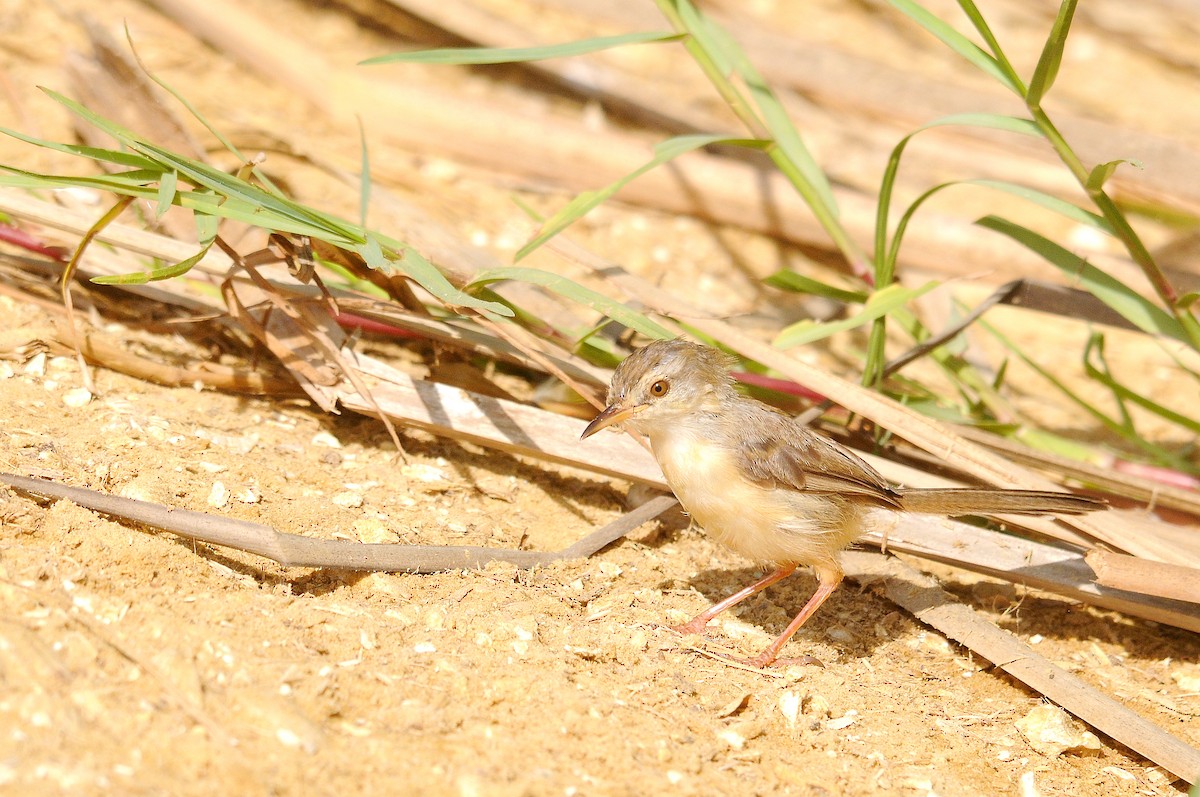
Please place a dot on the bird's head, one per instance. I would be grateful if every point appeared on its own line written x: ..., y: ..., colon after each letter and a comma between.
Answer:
x: 663, y: 381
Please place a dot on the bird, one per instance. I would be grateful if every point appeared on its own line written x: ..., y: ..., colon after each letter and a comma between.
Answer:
x: 766, y: 486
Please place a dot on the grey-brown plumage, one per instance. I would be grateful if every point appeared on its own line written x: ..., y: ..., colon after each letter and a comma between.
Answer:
x: 764, y: 485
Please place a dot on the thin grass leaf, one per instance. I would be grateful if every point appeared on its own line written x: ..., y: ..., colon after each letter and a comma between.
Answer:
x: 134, y: 184
x: 793, y: 146
x: 881, y: 303
x: 1132, y: 306
x: 1045, y: 200
x: 372, y: 255
x: 732, y: 59
x: 713, y: 39
x: 1052, y: 203
x: 163, y: 273
x: 364, y: 180
x: 1012, y: 124
x: 191, y: 109
x: 1159, y: 454
x: 615, y: 310
x: 1041, y: 440
x: 428, y: 277
x: 206, y: 227
x: 1099, y: 175
x: 167, y: 187
x: 1123, y: 394
x: 204, y: 175
x: 578, y: 207
x: 788, y: 280
x: 466, y: 56
x: 954, y: 40
x: 1051, y: 59
x: 100, y: 154
x: 229, y: 196
x: 989, y: 38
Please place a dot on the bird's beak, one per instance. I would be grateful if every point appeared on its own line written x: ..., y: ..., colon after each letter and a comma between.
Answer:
x: 614, y: 413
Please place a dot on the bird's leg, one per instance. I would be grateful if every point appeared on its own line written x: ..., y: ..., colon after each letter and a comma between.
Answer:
x: 698, y: 623
x: 827, y: 582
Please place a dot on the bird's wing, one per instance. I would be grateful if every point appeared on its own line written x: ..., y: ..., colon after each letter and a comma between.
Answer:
x: 773, y: 451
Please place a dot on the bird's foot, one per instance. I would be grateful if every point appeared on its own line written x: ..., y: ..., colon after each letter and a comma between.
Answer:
x: 762, y: 662
x: 690, y: 627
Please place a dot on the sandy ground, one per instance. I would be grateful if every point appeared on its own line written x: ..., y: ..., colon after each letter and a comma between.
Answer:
x: 134, y: 663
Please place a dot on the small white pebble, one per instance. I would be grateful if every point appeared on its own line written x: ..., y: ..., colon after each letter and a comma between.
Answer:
x: 287, y: 737
x: 423, y: 472
x: 424, y: 647
x: 844, y: 721
x: 789, y: 706
x: 325, y: 440
x: 218, y: 496
x: 1036, y: 639
x: 77, y: 397
x: 348, y: 500
x: 1187, y: 678
x: 732, y: 738
x: 674, y: 777
x: 36, y: 366
x: 249, y: 496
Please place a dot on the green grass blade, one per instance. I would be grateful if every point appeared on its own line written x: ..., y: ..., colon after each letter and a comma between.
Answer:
x: 428, y: 277
x: 615, y: 310
x: 1051, y: 59
x: 229, y: 196
x: 954, y: 40
x: 1012, y: 124
x: 513, y: 55
x: 732, y: 59
x: 1126, y: 433
x: 216, y: 131
x: 985, y: 31
x: 1123, y: 394
x: 1099, y: 175
x: 204, y: 175
x: 206, y: 226
x: 585, y: 202
x: 166, y: 272
x: 1132, y: 306
x: 124, y: 183
x: 167, y: 188
x: 364, y: 179
x: 881, y: 303
x: 788, y: 280
x: 1051, y: 203
x: 115, y: 157
x: 713, y: 39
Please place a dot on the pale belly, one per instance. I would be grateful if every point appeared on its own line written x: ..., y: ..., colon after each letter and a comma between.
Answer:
x: 775, y: 526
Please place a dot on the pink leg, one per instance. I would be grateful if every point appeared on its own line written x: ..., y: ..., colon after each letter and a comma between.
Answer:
x: 827, y: 583
x: 697, y: 624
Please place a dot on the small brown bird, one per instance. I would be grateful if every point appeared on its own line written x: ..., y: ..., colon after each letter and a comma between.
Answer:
x: 765, y: 486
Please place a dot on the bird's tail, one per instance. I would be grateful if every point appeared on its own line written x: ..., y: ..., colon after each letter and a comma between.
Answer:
x: 973, y: 501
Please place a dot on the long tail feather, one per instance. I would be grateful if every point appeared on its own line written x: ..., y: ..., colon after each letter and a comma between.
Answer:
x: 973, y: 501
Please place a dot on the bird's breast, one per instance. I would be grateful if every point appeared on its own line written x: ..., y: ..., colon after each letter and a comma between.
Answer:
x: 777, y: 526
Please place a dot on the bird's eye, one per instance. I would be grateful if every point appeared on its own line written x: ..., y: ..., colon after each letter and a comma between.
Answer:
x: 659, y: 388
